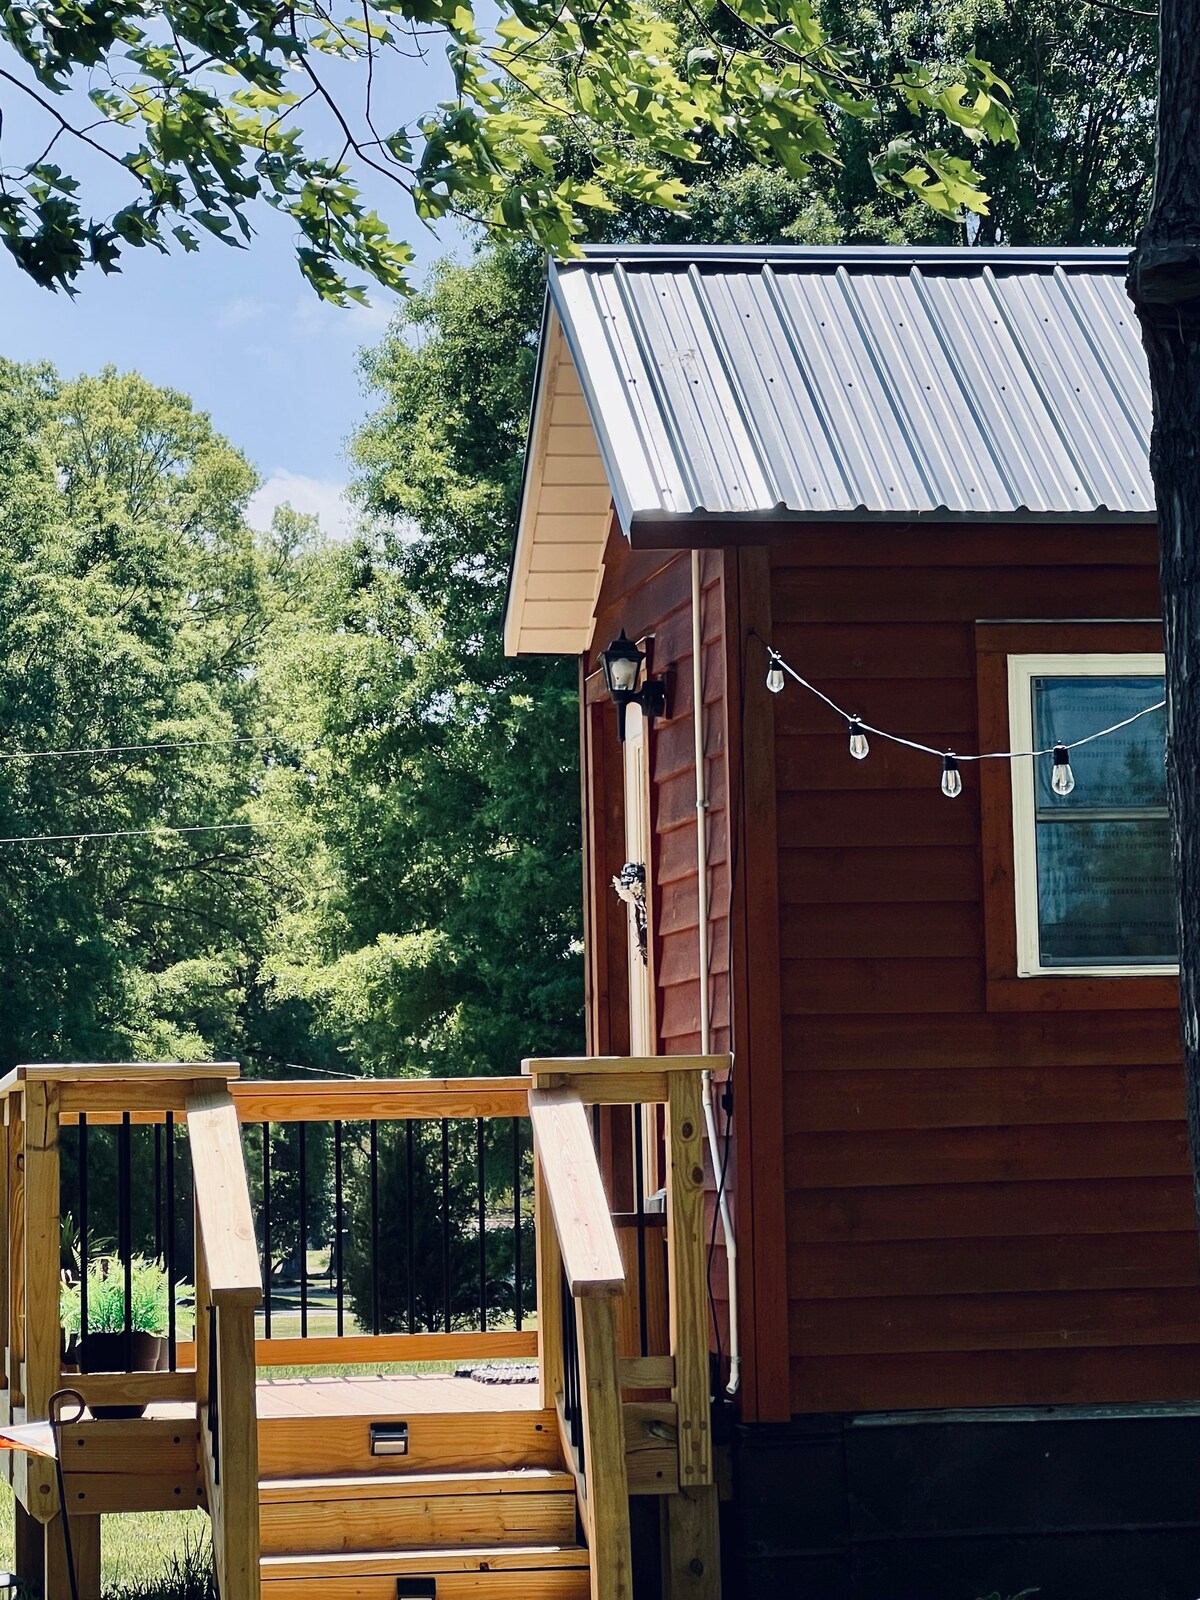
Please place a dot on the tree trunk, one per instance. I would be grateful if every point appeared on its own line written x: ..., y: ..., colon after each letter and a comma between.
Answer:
x: 1164, y: 284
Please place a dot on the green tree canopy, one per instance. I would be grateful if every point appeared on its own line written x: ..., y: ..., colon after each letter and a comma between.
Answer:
x: 445, y: 938
x: 131, y: 600
x: 201, y: 114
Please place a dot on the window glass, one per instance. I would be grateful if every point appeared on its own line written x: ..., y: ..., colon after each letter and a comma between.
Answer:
x: 1105, y: 893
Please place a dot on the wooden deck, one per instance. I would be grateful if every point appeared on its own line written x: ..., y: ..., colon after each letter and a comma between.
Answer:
x: 368, y: 1395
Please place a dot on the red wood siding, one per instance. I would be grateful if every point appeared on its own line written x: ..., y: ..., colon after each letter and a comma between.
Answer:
x: 983, y: 1207
x: 647, y: 593
x: 651, y: 593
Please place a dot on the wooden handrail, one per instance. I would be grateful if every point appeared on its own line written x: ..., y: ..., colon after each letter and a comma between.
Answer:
x: 223, y: 1199
x: 592, y: 1066
x: 116, y: 1072
x: 587, y: 1239
x: 379, y: 1099
x: 574, y: 1208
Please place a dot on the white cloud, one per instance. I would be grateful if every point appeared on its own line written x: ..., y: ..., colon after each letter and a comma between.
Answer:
x: 244, y: 309
x: 361, y: 324
x: 320, y: 497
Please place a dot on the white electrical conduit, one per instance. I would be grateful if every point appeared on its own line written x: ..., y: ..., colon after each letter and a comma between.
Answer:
x: 710, y: 1120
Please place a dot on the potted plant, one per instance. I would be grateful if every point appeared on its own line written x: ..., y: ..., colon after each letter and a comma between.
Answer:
x: 102, y: 1347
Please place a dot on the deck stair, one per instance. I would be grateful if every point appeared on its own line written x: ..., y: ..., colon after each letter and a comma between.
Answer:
x: 479, y: 1507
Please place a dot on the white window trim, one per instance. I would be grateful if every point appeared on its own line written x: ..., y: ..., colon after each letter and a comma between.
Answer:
x: 1021, y: 671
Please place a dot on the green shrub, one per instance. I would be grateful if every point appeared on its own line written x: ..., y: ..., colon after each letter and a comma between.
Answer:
x: 149, y: 1299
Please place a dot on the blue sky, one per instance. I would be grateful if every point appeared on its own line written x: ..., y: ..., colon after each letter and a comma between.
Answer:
x: 238, y: 330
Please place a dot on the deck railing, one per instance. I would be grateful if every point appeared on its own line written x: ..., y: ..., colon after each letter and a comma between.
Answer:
x: 393, y: 1220
x: 597, y: 1307
x: 418, y: 1193
x: 159, y: 1463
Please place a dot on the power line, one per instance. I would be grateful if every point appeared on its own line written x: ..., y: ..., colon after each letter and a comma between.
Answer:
x: 137, y: 833
x: 126, y: 749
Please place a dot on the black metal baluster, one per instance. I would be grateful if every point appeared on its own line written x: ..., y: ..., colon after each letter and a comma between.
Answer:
x: 158, y: 1181
x: 302, y: 1175
x: 446, y: 1225
x: 338, y: 1224
x: 214, y: 1405
x: 266, y: 1201
x: 373, y: 1156
x: 410, y: 1227
x: 572, y: 1388
x: 172, y: 1273
x: 125, y: 1227
x: 83, y: 1236
x: 481, y: 1202
x: 639, y: 1183
x: 518, y: 1293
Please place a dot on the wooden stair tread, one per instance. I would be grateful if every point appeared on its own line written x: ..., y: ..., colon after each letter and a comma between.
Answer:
x: 499, y: 1558
x: 384, y: 1486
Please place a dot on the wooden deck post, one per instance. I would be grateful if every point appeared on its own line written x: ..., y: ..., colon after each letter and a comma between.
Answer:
x: 15, y: 1182
x: 43, y: 1339
x: 685, y: 1276
x: 85, y: 1545
x: 29, y: 1549
x: 691, y: 1566
x: 691, y: 1540
x: 603, y: 1426
x: 238, y: 1453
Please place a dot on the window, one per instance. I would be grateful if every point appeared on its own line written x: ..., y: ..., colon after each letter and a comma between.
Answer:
x: 1094, y: 890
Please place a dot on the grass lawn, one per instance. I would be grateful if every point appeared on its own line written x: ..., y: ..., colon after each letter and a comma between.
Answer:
x: 146, y: 1555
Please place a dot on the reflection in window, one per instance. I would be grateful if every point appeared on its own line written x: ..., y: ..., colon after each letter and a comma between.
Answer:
x: 1105, y: 893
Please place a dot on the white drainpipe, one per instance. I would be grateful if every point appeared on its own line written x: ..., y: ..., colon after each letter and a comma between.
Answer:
x: 710, y: 1120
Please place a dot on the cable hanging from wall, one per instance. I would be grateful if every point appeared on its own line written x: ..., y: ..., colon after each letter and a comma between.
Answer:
x: 1062, y: 778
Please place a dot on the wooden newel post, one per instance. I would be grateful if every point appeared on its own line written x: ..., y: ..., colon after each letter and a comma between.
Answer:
x: 691, y: 1543
x: 238, y: 1448
x: 604, y: 1429
x: 43, y: 1339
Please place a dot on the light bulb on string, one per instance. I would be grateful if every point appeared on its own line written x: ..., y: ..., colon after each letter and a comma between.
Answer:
x: 951, y: 777
x: 1062, y: 779
x: 859, y: 747
x: 775, y: 678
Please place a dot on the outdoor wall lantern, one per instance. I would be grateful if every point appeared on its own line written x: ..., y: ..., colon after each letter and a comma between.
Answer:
x: 622, y: 663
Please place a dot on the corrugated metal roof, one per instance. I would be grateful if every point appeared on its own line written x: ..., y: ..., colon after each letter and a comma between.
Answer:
x: 843, y: 383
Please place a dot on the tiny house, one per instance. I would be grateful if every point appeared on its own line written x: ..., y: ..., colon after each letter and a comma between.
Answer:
x: 824, y: 527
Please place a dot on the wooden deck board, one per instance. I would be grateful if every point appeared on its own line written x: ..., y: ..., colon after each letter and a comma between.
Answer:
x: 400, y: 1394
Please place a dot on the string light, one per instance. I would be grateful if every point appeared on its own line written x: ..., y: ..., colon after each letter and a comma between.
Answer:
x: 1062, y: 779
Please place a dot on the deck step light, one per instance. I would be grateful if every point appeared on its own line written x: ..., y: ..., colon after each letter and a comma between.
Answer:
x: 416, y: 1589
x: 951, y: 777
x: 622, y: 663
x: 1062, y: 779
x: 389, y: 1438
